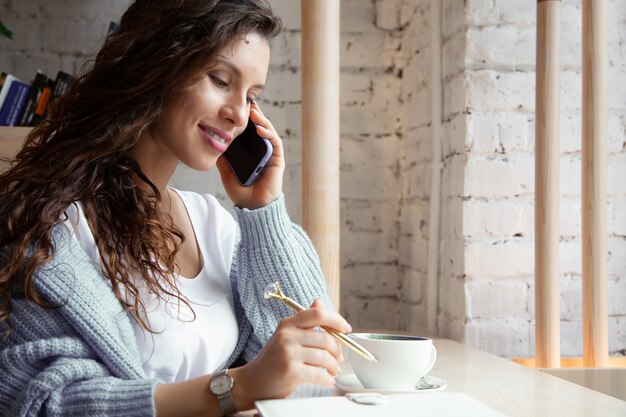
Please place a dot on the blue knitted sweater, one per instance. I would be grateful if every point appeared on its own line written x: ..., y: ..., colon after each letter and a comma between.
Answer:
x: 81, y: 359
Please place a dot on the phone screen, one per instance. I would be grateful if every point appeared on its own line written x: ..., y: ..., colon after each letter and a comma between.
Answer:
x: 247, y: 154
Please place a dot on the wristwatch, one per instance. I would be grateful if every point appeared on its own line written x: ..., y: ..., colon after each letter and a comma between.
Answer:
x: 220, y: 386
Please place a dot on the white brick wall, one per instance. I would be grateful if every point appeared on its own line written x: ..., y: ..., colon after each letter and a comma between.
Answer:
x: 497, y: 42
x: 47, y: 37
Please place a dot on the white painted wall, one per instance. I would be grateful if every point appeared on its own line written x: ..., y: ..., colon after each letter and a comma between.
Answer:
x: 489, y: 56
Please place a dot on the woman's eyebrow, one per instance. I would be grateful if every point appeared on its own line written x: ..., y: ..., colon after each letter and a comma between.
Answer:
x: 236, y: 70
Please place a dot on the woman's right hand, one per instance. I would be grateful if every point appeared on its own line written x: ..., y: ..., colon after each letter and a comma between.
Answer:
x: 296, y: 353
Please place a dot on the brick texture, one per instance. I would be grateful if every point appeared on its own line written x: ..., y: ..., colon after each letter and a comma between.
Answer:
x: 497, y: 42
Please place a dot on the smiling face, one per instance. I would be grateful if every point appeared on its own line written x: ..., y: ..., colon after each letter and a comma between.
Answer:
x: 201, y: 121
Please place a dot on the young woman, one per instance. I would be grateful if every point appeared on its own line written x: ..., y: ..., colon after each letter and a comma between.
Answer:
x: 122, y: 296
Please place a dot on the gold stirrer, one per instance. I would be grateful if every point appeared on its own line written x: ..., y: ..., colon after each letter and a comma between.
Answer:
x: 274, y: 291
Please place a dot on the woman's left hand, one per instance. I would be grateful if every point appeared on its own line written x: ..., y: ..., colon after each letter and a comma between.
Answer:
x: 269, y: 184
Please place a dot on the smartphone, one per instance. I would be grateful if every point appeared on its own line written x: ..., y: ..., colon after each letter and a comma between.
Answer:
x: 248, y: 154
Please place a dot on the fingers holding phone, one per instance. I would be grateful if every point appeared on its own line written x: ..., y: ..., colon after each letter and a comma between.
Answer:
x: 252, y: 167
x: 267, y: 130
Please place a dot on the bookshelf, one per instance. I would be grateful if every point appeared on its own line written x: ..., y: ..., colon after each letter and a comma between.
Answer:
x: 11, y: 139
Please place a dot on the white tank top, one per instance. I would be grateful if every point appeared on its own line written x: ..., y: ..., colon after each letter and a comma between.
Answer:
x: 184, y: 348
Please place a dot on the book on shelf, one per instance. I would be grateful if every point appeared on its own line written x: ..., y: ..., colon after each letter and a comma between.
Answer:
x: 4, y: 87
x: 41, y: 109
x: 114, y: 27
x: 13, y: 96
x: 30, y: 102
x: 50, y: 92
x: 28, y: 111
x: 62, y: 84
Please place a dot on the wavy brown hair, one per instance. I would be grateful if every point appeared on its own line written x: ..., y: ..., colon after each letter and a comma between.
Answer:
x: 81, y: 151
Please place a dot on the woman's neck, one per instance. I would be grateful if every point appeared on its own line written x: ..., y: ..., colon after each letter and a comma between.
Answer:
x: 156, y: 162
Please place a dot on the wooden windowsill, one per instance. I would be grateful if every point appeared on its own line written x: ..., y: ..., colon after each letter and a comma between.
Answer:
x: 614, y: 362
x: 11, y: 140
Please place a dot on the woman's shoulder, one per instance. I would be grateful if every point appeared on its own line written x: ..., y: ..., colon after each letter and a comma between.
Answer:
x: 69, y: 269
x: 77, y: 224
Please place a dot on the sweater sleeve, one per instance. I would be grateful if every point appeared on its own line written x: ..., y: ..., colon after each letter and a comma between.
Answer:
x: 77, y: 358
x: 271, y: 248
x: 47, y: 369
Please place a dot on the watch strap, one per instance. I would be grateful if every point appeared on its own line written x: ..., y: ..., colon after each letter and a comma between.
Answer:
x: 227, y: 404
x: 226, y: 401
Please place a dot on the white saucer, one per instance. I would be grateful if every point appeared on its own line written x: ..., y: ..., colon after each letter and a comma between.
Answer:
x: 350, y: 383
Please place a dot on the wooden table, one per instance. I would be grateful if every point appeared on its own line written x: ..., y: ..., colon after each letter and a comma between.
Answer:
x: 513, y: 389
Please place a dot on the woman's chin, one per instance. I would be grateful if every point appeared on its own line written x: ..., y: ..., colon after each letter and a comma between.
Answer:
x: 201, y: 166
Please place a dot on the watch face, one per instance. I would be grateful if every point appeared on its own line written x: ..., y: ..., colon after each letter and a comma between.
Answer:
x: 221, y: 384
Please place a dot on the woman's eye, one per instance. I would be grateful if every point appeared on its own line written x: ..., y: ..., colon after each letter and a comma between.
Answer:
x: 250, y: 100
x: 217, y: 81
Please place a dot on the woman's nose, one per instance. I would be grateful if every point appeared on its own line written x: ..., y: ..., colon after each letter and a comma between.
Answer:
x: 237, y: 111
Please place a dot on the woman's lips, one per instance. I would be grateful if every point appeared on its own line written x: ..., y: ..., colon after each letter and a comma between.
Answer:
x: 218, y: 139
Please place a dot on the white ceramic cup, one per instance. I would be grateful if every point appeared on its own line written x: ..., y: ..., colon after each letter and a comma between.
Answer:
x: 401, y: 360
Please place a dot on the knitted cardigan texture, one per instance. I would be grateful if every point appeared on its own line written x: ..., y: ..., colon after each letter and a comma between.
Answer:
x: 81, y: 358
